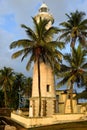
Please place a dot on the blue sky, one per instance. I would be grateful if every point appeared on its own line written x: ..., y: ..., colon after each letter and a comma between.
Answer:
x: 13, y: 13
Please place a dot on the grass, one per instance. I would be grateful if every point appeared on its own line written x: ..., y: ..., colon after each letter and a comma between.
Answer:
x: 65, y: 126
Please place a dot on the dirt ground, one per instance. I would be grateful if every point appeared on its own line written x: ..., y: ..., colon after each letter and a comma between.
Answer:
x: 12, y: 123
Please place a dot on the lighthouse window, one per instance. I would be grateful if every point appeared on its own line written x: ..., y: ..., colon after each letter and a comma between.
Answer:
x: 43, y: 9
x: 48, y: 87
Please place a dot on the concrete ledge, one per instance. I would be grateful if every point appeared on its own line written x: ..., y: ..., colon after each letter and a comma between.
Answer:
x: 28, y: 122
x: 67, y: 117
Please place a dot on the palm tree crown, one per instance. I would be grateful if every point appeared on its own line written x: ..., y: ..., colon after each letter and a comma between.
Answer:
x: 76, y: 66
x: 75, y: 28
x: 38, y: 44
x: 6, y: 81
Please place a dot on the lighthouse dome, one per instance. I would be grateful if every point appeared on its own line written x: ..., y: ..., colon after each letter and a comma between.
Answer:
x: 44, y: 14
x: 43, y: 8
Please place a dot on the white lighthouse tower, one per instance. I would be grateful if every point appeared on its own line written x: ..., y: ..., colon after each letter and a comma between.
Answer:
x: 48, y: 96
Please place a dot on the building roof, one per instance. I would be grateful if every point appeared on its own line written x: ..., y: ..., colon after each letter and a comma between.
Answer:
x: 65, y: 91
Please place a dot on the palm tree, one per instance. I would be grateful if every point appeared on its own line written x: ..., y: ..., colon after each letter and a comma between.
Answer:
x: 74, y: 71
x: 28, y: 87
x: 74, y: 28
x: 17, y: 90
x: 83, y: 94
x: 1, y: 97
x: 39, y: 47
x: 19, y: 85
x: 27, y: 90
x: 6, y: 82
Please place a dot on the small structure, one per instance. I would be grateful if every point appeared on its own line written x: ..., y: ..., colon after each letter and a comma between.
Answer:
x: 63, y: 97
x: 63, y: 103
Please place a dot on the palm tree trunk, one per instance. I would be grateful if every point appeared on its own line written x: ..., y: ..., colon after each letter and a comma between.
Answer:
x: 39, y: 88
x: 5, y: 96
x: 73, y: 42
x: 71, y: 97
x: 65, y: 102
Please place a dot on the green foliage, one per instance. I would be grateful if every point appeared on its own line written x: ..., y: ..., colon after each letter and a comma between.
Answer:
x: 75, y: 28
x: 27, y: 104
x: 10, y: 82
x: 40, y: 43
x: 74, y: 68
x: 6, y: 81
x: 1, y: 97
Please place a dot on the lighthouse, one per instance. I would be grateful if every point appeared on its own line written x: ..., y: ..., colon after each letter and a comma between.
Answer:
x: 48, y: 96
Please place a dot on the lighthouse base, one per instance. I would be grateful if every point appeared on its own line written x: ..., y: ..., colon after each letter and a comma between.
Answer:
x: 48, y: 106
